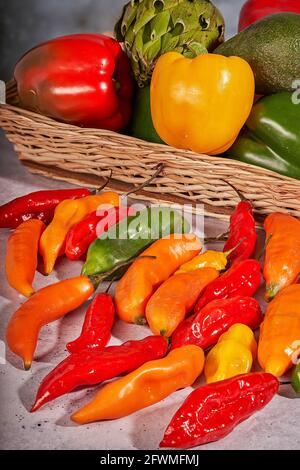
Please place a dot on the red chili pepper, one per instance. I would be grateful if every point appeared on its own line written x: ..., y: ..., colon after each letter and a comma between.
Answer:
x: 213, y: 411
x: 38, y: 205
x: 205, y: 328
x: 254, y: 10
x: 96, y: 330
x: 82, y: 79
x: 243, y: 278
x: 242, y: 233
x: 91, y: 367
x: 82, y: 235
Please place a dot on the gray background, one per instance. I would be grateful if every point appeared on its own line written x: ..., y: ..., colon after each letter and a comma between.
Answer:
x: 25, y: 23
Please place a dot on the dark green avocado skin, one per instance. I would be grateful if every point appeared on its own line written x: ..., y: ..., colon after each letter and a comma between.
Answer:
x: 272, y: 48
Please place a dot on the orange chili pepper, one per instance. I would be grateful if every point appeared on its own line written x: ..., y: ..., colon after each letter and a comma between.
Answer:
x: 174, y: 299
x: 149, y: 384
x: 67, y: 214
x: 145, y: 275
x: 280, y: 332
x: 47, y: 305
x: 22, y: 256
x: 282, y: 262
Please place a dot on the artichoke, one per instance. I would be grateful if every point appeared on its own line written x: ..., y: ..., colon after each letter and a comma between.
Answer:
x: 150, y: 28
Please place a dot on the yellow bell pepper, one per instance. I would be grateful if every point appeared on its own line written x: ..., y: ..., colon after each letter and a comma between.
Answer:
x: 209, y: 259
x: 201, y: 104
x: 233, y: 355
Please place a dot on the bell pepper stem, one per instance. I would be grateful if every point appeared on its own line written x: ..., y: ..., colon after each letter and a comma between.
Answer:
x: 158, y: 171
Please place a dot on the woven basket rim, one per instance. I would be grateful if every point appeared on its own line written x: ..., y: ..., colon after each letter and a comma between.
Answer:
x: 189, y: 155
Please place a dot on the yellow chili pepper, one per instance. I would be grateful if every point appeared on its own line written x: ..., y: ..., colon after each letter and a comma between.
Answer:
x: 67, y: 214
x: 201, y: 104
x: 209, y: 259
x: 147, y: 385
x: 233, y: 355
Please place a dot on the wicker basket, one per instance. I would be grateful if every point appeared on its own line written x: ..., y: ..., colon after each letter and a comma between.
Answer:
x: 86, y: 156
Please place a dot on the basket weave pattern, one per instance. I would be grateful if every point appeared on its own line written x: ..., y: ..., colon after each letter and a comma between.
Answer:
x: 86, y: 156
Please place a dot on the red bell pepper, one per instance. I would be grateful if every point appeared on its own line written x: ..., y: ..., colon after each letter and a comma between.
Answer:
x: 254, y: 10
x: 213, y: 411
x: 82, y: 79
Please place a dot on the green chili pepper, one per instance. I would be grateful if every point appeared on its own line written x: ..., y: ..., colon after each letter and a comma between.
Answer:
x: 296, y: 378
x: 130, y: 237
x: 271, y: 138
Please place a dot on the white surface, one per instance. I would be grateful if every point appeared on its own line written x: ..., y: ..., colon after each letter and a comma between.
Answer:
x: 276, y: 427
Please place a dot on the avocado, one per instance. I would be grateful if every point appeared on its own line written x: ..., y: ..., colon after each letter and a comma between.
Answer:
x: 272, y: 47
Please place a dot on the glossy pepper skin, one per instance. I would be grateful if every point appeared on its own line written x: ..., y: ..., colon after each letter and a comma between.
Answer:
x: 67, y: 214
x: 242, y: 230
x: 233, y: 355
x: 212, y: 412
x: 175, y: 299
x: 254, y: 10
x: 144, y: 387
x: 145, y: 275
x: 192, y: 94
x: 83, y: 234
x: 47, y: 305
x: 38, y: 205
x: 209, y: 259
x: 271, y: 138
x: 205, y: 328
x: 296, y: 378
x: 92, y: 366
x: 242, y: 279
x: 22, y: 256
x: 124, y: 241
x: 280, y: 332
x: 282, y: 260
x: 98, y: 322
x: 82, y: 79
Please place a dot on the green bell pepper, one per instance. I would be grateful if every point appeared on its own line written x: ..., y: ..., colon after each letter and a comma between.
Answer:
x: 142, y: 125
x: 296, y: 378
x: 271, y: 137
x: 122, y: 242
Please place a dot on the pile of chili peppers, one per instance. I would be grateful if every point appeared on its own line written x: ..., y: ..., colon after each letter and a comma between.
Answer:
x: 200, y: 307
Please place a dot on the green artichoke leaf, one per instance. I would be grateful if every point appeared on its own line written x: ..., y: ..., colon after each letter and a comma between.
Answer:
x: 129, y: 16
x: 129, y: 39
x: 145, y: 13
x: 138, y: 46
x: 152, y: 50
x: 160, y: 25
x: 169, y: 42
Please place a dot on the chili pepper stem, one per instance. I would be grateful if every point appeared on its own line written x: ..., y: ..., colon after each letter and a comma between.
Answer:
x: 97, y: 191
x: 97, y: 279
x: 238, y: 192
x: 260, y: 255
x: 160, y: 168
x: 229, y: 252
x: 219, y: 238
